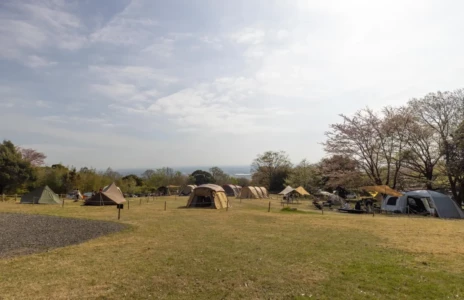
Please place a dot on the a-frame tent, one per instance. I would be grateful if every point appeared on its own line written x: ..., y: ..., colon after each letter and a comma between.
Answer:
x: 41, y: 195
x: 111, y: 195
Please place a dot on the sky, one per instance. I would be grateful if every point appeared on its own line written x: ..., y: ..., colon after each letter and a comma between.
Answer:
x: 146, y: 83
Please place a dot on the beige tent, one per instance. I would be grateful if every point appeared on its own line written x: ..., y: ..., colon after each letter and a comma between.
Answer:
x: 187, y: 190
x: 232, y: 190
x: 382, y: 189
x: 259, y: 192
x: 300, y: 190
x: 208, y: 196
x: 263, y: 191
x: 111, y: 195
x: 249, y: 192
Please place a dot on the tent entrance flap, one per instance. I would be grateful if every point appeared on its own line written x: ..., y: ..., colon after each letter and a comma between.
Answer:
x: 202, y: 201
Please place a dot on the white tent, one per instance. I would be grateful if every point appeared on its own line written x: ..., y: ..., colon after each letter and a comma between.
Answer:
x: 423, y: 202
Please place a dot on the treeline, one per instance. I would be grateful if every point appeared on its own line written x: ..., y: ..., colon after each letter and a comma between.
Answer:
x: 22, y: 170
x: 416, y: 146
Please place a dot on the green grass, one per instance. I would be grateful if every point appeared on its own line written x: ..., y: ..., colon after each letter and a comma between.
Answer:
x: 245, y: 252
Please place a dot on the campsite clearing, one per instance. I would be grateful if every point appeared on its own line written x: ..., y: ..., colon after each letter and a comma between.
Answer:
x: 244, y: 252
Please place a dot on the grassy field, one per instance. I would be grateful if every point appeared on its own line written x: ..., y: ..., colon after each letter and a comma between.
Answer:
x: 245, y: 252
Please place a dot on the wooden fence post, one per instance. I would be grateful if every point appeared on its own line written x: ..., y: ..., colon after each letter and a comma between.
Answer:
x: 3, y: 197
x: 269, y: 209
x: 62, y: 202
x: 140, y: 202
x: 128, y: 205
x: 164, y: 205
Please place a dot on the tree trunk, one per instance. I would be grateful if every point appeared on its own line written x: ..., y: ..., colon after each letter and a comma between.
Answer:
x: 460, y: 197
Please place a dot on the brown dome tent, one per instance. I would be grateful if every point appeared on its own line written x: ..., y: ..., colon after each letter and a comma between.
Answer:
x: 208, y: 196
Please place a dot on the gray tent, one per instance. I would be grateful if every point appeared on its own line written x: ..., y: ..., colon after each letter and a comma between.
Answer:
x: 41, y: 195
x: 423, y: 202
x: 287, y: 190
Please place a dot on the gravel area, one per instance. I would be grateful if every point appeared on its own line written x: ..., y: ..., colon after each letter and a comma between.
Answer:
x: 22, y: 234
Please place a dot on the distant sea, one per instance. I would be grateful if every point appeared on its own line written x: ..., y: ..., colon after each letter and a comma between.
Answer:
x: 235, y: 171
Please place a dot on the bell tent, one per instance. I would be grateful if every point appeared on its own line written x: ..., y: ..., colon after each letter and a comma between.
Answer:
x: 42, y: 195
x: 110, y: 195
x: 208, y: 196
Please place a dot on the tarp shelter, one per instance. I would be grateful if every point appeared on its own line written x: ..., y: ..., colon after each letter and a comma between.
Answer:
x: 187, y: 190
x: 423, y: 202
x: 232, y: 190
x: 300, y: 190
x: 208, y: 196
x: 286, y: 190
x: 249, y: 192
x: 382, y: 189
x: 110, y: 195
x: 41, y: 195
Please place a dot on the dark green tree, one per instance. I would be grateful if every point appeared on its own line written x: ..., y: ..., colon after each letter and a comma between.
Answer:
x: 14, y: 170
x: 202, y: 177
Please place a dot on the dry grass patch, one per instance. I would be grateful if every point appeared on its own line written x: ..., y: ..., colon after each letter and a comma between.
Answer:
x: 243, y: 253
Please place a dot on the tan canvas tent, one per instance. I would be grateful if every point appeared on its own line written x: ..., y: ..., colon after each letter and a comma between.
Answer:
x: 208, y: 196
x: 232, y: 190
x: 259, y: 192
x: 263, y: 191
x: 110, y: 195
x: 249, y: 192
x: 187, y: 190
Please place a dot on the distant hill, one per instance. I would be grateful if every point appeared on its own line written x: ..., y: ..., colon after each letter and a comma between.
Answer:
x: 236, y: 171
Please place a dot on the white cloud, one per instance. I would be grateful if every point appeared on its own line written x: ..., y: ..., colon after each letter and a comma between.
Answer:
x: 162, y: 47
x: 220, y: 106
x: 34, y: 61
x: 129, y: 83
x: 41, y: 26
x: 131, y: 27
x: 249, y: 36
